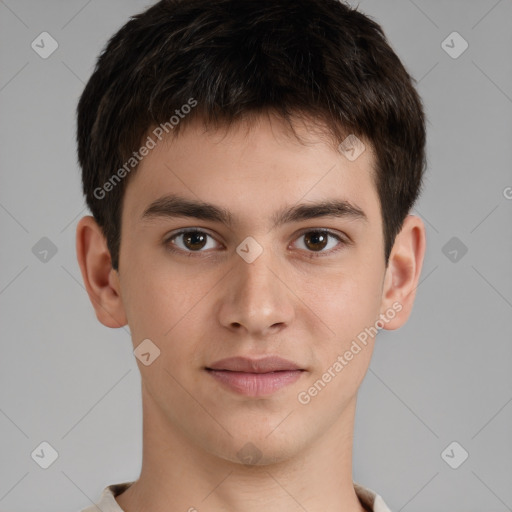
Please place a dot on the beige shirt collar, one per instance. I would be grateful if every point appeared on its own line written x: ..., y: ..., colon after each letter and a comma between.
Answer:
x: 107, y: 502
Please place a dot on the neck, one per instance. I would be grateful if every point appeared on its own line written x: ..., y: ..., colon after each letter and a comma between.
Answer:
x: 178, y: 475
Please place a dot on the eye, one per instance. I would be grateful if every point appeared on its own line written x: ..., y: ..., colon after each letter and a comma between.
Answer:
x: 315, y: 241
x: 190, y: 240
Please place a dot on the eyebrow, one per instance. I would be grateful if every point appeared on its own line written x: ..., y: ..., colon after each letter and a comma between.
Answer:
x: 171, y: 206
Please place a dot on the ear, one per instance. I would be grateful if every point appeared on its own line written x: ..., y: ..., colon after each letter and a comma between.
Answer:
x: 100, y: 279
x: 403, y: 272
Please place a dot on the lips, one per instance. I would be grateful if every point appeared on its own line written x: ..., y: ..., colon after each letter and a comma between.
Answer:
x: 255, y: 377
x: 264, y: 365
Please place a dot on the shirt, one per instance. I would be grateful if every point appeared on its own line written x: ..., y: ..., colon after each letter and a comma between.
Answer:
x: 370, y: 500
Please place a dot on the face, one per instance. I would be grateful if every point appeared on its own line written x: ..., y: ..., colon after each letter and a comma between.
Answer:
x: 286, y: 261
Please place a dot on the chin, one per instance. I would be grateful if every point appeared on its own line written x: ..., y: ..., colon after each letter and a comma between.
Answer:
x: 257, y: 450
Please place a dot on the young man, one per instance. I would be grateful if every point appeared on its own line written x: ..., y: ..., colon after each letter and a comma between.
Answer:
x: 250, y: 166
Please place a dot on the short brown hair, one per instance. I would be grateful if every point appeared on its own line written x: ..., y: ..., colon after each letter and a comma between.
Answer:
x: 320, y: 59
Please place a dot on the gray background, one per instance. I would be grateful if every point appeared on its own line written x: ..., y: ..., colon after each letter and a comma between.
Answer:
x: 445, y: 376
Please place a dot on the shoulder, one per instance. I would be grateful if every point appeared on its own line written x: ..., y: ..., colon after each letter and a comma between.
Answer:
x: 372, y: 501
x: 107, y: 501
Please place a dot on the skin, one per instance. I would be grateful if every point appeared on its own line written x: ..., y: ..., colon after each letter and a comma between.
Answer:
x: 198, y: 308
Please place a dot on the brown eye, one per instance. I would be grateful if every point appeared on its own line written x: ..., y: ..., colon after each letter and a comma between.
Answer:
x: 194, y: 240
x: 320, y: 242
x: 190, y: 241
x: 316, y: 240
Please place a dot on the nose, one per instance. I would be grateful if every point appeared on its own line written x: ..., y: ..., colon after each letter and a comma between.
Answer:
x: 256, y: 297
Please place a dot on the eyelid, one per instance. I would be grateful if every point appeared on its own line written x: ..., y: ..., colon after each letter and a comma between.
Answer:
x: 336, y: 234
x: 175, y: 234
x: 343, y: 240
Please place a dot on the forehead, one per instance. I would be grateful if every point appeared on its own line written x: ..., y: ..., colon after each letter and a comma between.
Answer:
x: 253, y: 171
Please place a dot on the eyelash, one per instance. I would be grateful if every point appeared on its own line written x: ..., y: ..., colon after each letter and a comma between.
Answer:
x: 310, y: 254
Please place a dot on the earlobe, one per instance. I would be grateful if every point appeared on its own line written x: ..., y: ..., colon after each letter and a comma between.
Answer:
x: 403, y: 272
x: 100, y: 279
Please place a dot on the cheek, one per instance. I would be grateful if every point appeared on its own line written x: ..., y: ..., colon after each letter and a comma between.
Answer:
x: 152, y: 302
x: 172, y: 309
x: 346, y: 303
x: 161, y: 291
x: 161, y: 306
